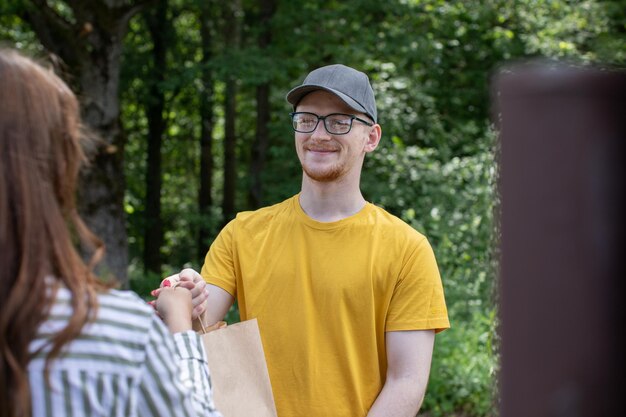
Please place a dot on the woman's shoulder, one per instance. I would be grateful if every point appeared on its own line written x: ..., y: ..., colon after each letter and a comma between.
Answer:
x: 122, y: 301
x: 119, y: 312
x: 113, y: 340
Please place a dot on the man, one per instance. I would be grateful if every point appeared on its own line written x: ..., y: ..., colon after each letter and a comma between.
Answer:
x: 347, y: 296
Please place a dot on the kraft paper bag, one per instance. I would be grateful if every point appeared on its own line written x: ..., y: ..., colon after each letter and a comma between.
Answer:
x: 241, y: 383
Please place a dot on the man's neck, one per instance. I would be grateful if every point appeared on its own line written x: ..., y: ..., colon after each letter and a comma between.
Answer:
x: 329, y: 202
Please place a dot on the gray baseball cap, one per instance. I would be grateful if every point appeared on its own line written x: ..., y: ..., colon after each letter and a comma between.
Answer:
x: 350, y: 85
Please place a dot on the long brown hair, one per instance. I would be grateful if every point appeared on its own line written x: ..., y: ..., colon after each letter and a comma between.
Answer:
x: 40, y: 159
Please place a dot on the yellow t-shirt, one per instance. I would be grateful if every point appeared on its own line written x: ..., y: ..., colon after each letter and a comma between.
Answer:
x: 324, y: 295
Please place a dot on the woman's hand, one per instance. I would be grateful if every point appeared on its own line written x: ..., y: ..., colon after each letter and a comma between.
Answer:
x: 175, y: 307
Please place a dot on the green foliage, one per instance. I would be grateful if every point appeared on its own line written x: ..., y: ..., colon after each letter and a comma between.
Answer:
x: 464, y: 368
x: 561, y: 28
x: 143, y: 282
x: 13, y: 30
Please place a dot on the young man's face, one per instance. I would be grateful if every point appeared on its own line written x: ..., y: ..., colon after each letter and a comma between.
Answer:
x: 326, y: 157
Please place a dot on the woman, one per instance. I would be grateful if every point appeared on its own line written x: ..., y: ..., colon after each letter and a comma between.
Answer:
x: 70, y: 344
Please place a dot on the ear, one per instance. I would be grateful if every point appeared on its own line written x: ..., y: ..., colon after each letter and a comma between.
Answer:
x: 373, y: 139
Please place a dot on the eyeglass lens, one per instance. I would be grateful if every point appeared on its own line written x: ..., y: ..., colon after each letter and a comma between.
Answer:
x: 334, y: 123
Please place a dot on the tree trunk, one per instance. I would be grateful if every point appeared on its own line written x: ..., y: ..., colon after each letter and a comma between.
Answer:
x: 153, y: 233
x: 261, y: 142
x: 205, y: 199
x: 91, y: 47
x: 230, y: 157
x: 259, y: 147
x: 230, y: 110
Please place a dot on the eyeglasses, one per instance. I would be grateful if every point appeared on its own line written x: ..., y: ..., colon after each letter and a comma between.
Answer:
x: 335, y: 123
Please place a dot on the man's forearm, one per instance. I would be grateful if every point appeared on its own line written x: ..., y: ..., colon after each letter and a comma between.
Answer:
x: 217, y: 305
x: 201, y: 322
x: 401, y: 397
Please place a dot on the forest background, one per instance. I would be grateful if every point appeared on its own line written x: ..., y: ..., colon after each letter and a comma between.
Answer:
x: 187, y: 98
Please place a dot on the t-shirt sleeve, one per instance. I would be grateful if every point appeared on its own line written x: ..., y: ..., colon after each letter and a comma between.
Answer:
x: 418, y: 301
x: 219, y: 263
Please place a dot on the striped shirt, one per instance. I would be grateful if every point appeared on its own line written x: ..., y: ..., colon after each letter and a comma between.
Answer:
x: 125, y: 363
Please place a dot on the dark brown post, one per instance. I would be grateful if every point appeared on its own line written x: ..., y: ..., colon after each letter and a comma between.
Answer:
x: 563, y: 134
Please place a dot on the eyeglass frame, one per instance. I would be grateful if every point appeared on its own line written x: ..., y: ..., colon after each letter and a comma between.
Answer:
x: 323, y: 118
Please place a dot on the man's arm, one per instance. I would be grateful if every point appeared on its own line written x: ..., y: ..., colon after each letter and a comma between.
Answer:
x: 409, y: 354
x: 211, y: 303
x: 217, y: 305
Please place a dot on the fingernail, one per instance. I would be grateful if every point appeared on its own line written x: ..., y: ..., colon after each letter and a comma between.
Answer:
x: 153, y: 293
x: 167, y: 283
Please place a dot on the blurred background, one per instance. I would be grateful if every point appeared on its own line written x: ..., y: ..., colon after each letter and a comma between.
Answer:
x: 187, y: 100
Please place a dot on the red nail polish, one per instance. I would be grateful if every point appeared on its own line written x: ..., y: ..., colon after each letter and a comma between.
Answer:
x: 167, y: 283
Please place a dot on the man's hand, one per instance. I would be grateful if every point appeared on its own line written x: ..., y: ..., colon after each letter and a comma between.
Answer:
x: 193, y: 281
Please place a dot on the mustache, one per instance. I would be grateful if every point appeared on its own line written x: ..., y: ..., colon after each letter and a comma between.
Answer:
x: 321, y: 147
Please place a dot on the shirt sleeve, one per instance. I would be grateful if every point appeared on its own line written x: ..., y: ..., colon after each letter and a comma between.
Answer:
x: 175, y: 378
x: 418, y: 301
x: 219, y: 263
